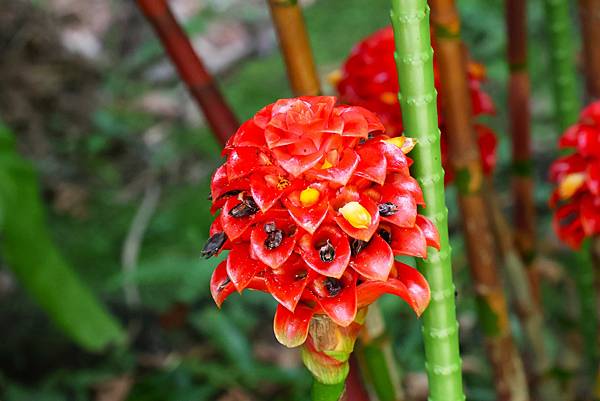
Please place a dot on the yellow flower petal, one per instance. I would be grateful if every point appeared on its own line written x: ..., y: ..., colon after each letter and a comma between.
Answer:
x: 309, y: 197
x: 326, y: 165
x: 570, y: 184
x: 356, y: 215
x: 403, y: 142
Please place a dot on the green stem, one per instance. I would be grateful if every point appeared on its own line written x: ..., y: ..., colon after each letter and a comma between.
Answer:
x: 419, y: 112
x: 327, y: 392
x: 376, y: 358
x: 562, y: 54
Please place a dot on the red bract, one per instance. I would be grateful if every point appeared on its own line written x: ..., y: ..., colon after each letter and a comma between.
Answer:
x: 314, y: 203
x: 576, y: 199
x: 369, y: 79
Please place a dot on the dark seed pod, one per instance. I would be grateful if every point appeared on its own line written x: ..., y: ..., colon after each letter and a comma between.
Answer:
x: 356, y: 246
x: 387, y: 209
x: 327, y: 252
x: 213, y: 245
x: 301, y: 275
x: 224, y: 284
x: 233, y: 192
x: 386, y: 235
x: 247, y: 207
x: 269, y: 227
x: 274, y: 239
x: 333, y: 286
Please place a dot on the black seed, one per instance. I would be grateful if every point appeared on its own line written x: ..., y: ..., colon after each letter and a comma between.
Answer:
x: 387, y: 209
x: 274, y: 239
x: 356, y: 246
x: 292, y: 231
x: 213, y: 245
x: 333, y: 286
x: 371, y: 135
x: 209, y: 197
x: 247, y: 207
x: 224, y: 284
x: 386, y: 235
x: 362, y: 141
x: 301, y: 275
x: 269, y: 227
x: 327, y: 252
x: 233, y: 192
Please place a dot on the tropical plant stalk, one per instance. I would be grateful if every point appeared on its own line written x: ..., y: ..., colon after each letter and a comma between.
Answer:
x: 509, y: 376
x: 200, y: 83
x: 562, y: 54
x: 589, y: 11
x: 295, y: 46
x: 376, y: 351
x: 410, y: 19
x: 519, y: 111
x: 528, y: 310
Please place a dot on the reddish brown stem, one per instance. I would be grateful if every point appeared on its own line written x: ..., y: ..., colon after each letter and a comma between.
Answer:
x: 519, y: 111
x: 464, y: 155
x: 295, y: 46
x: 590, y: 25
x: 355, y: 387
x: 191, y: 69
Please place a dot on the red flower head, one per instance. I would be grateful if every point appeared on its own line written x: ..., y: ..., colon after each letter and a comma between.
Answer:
x: 369, y: 79
x: 314, y: 203
x: 576, y: 198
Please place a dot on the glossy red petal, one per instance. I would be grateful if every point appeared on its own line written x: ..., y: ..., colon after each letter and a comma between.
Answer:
x: 267, y: 185
x: 569, y: 138
x: 405, y: 204
x: 565, y: 165
x: 287, y: 284
x: 311, y: 217
x: 310, y: 245
x: 588, y: 140
x: 593, y: 177
x: 432, y: 236
x: 363, y: 234
x: 220, y: 184
x: 220, y: 284
x: 272, y: 257
x: 373, y: 164
x: 243, y: 161
x: 409, y: 241
x: 249, y: 134
x: 590, y: 217
x: 355, y: 124
x: 407, y: 184
x: 410, y: 285
x: 241, y: 269
x: 340, y: 173
x: 298, y: 164
x: 591, y: 113
x: 342, y: 307
x: 487, y: 142
x: 396, y: 159
x: 235, y: 227
x: 375, y: 260
x: 291, y: 328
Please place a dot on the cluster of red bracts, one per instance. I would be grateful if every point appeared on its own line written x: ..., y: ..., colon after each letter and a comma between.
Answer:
x: 576, y: 199
x: 369, y: 79
x: 314, y: 203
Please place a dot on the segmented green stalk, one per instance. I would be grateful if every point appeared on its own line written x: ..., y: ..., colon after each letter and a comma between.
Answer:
x: 410, y: 19
x: 562, y: 53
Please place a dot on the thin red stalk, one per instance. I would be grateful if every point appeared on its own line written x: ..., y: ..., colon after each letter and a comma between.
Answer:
x: 519, y: 111
x: 355, y: 388
x: 295, y: 46
x: 590, y: 25
x: 191, y: 69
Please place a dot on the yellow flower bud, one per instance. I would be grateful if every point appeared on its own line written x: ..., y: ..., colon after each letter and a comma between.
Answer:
x: 309, y: 197
x: 326, y: 165
x: 356, y: 215
x: 570, y: 184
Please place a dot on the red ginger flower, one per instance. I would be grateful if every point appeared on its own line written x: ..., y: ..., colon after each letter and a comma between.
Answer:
x: 314, y: 203
x: 369, y: 79
x: 576, y: 199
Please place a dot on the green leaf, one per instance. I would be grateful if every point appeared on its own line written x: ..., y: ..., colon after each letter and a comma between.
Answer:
x: 28, y: 249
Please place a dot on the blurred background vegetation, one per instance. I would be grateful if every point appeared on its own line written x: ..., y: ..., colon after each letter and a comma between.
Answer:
x: 123, y: 158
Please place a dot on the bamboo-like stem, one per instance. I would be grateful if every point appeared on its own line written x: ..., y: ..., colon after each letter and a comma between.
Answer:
x: 528, y: 310
x: 375, y: 352
x: 518, y: 104
x: 590, y: 24
x: 295, y: 46
x: 509, y: 376
x: 562, y: 54
x: 200, y: 83
x: 414, y: 60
